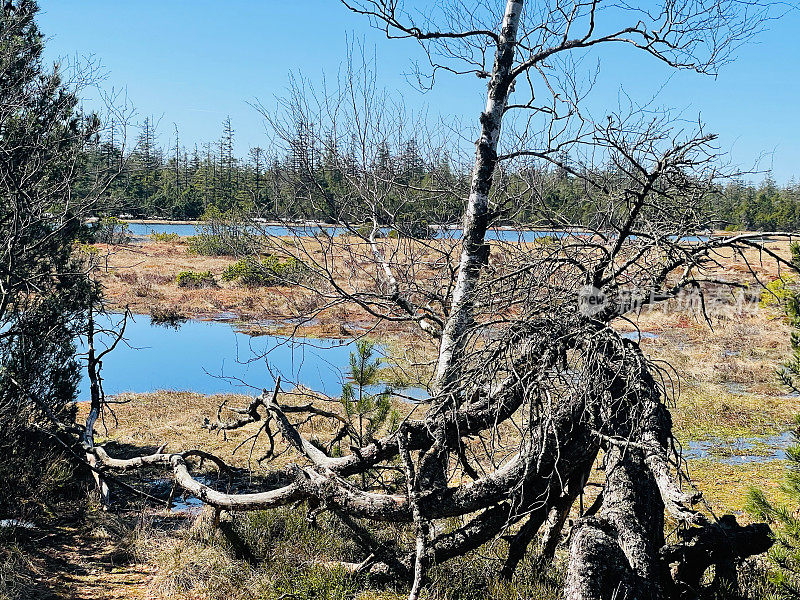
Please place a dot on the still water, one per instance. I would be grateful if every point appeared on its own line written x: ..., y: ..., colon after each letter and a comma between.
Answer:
x: 502, y: 235
x: 213, y: 357
x: 183, y: 229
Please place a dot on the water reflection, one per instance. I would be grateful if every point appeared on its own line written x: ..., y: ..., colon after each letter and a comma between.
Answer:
x: 212, y: 357
x: 497, y: 234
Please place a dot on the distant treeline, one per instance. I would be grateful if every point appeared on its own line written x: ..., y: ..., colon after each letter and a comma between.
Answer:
x: 764, y: 207
x: 311, y: 181
x: 304, y: 182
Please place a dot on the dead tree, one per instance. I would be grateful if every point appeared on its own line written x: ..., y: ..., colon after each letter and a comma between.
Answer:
x: 532, y: 387
x: 98, y: 404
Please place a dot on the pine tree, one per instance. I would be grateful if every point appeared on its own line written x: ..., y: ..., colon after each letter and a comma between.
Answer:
x: 785, y: 553
x: 43, y: 136
x: 367, y: 412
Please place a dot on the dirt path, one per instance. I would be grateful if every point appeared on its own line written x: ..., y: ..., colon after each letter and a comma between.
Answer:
x: 77, y: 566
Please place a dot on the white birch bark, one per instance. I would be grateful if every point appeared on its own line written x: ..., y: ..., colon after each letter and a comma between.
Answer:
x: 476, y: 219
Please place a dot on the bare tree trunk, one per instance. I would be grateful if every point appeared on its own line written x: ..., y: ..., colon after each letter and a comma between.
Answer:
x: 95, y: 408
x: 615, y: 554
x: 474, y: 253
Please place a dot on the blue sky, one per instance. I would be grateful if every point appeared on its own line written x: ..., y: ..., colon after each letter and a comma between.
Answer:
x: 193, y: 62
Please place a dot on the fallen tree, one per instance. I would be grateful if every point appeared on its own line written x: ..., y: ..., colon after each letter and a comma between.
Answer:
x: 532, y: 386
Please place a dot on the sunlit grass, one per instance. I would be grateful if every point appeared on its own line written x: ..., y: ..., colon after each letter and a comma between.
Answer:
x: 289, y: 556
x: 725, y: 486
x: 709, y: 411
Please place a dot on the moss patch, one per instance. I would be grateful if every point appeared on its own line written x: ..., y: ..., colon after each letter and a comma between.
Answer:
x: 710, y: 411
x: 725, y: 486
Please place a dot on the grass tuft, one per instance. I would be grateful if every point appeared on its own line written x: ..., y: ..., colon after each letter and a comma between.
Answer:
x: 287, y: 556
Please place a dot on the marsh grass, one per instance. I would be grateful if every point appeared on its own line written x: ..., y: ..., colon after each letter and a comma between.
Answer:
x: 17, y: 572
x: 725, y: 486
x: 165, y: 237
x: 289, y: 557
x: 475, y: 577
x: 195, y: 279
x: 199, y: 561
x: 166, y: 316
x: 710, y: 411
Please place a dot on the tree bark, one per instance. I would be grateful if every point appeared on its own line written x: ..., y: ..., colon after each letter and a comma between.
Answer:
x: 614, y: 555
x: 722, y: 544
x: 95, y: 409
x: 474, y: 253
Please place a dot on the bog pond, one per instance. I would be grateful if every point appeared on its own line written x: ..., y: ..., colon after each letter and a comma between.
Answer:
x: 212, y: 357
x: 510, y: 235
x: 187, y: 229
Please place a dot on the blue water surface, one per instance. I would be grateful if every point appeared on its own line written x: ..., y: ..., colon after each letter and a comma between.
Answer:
x: 188, y: 229
x: 212, y: 357
x: 502, y: 235
x: 184, y: 229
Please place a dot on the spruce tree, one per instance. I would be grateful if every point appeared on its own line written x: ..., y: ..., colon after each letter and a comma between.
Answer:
x: 368, y: 412
x: 785, y: 519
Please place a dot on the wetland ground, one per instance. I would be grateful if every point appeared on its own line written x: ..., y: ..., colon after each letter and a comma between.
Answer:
x: 732, y: 417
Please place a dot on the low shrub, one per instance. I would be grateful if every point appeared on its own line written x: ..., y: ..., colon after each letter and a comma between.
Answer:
x: 143, y: 290
x: 164, y: 237
x: 780, y: 292
x: 418, y: 229
x: 195, y: 279
x: 156, y: 278
x: 266, y: 271
x: 206, y: 245
x: 129, y: 277
x: 223, y: 234
x: 86, y: 250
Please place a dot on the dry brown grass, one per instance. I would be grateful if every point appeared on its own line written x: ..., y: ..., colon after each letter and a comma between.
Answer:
x: 745, y: 349
x: 156, y: 264
x: 143, y: 276
x: 146, y: 421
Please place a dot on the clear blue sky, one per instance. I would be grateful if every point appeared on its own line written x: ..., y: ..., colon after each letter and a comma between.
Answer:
x: 192, y: 62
